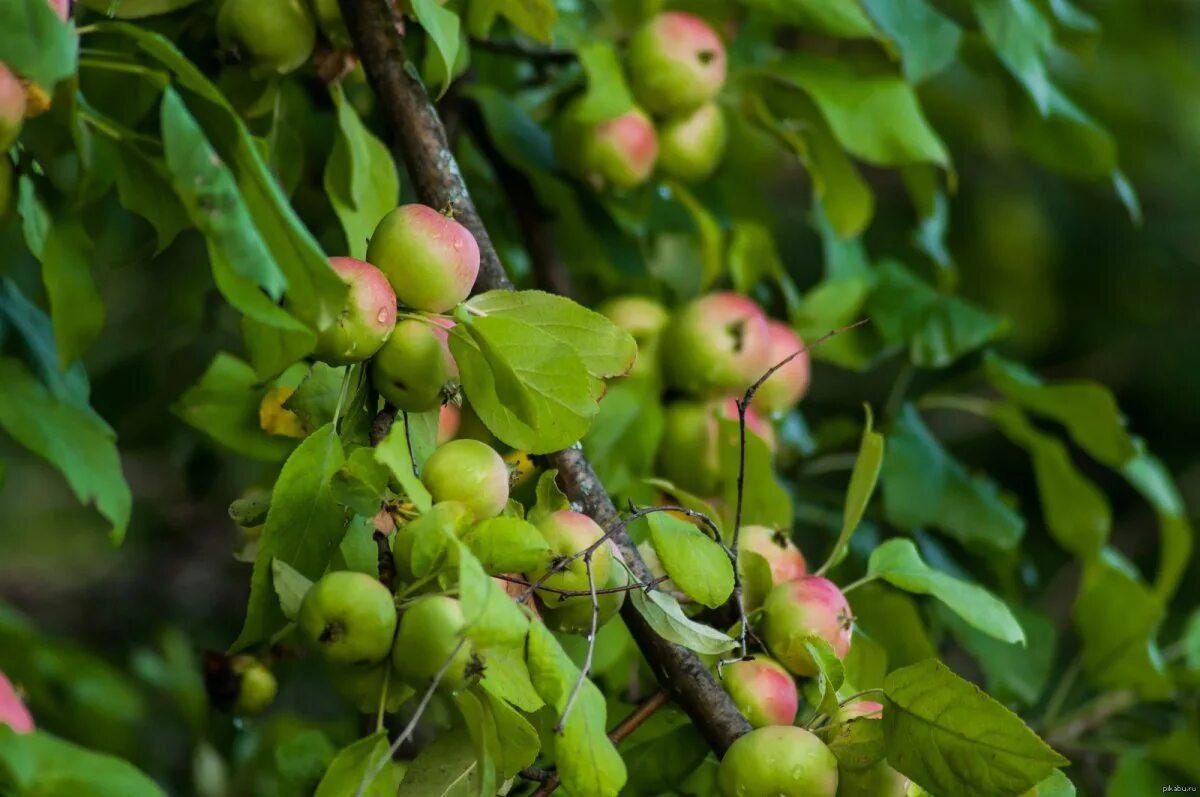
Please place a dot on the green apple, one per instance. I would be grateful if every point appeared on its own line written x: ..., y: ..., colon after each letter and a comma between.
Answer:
x: 450, y: 517
x: 568, y: 533
x: 430, y: 259
x: 784, y: 389
x: 762, y: 690
x: 573, y: 615
x: 12, y: 107
x: 716, y: 345
x: 366, y: 319
x: 778, y: 761
x: 804, y: 607
x: 273, y: 35
x: 415, y: 371
x: 644, y: 319
x: 470, y: 472
x: 690, y: 147
x: 256, y: 686
x: 348, y: 618
x: 688, y: 450
x: 430, y: 629
x: 676, y: 63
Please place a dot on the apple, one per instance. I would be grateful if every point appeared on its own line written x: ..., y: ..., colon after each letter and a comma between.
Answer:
x: 803, y: 607
x: 568, y: 533
x: 471, y: 472
x: 573, y: 615
x: 688, y: 450
x: 366, y: 319
x: 644, y: 319
x: 620, y: 152
x: 348, y: 618
x: 690, y: 147
x: 676, y: 63
x: 716, y: 344
x: 273, y: 35
x: 762, y: 690
x: 876, y: 780
x: 61, y: 8
x: 12, y: 107
x: 754, y: 421
x: 430, y: 629
x: 256, y: 686
x: 778, y: 761
x: 415, y: 371
x: 430, y: 259
x: 448, y: 516
x: 776, y: 547
x: 784, y: 389
x: 449, y: 418
x: 13, y: 712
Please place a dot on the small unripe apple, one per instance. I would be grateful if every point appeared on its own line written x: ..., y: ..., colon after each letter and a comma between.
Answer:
x: 690, y: 147
x: 762, y: 690
x: 716, y: 344
x: 688, y: 451
x: 777, y: 548
x: 876, y: 780
x: 644, y: 319
x: 13, y: 712
x: 348, y: 618
x: 804, y: 607
x: 573, y: 615
x: 568, y: 533
x: 12, y: 107
x: 430, y: 629
x: 448, y: 516
x: 676, y: 63
x: 415, y: 371
x: 365, y: 320
x: 470, y: 472
x: 274, y: 35
x: 256, y: 686
x: 620, y: 152
x: 784, y: 389
x: 430, y: 259
x: 778, y: 761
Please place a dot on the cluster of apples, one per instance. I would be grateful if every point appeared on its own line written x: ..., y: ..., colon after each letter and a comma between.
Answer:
x: 676, y: 66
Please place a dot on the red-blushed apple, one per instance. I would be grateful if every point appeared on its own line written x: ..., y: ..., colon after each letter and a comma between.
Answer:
x: 470, y: 472
x: 453, y: 517
x: 256, y: 686
x: 644, y: 319
x: 688, y: 452
x: 690, y: 147
x: 366, y: 319
x: 61, y: 8
x: 431, y: 627
x: 762, y: 690
x: 804, y: 607
x: 784, y: 389
x: 449, y: 418
x: 430, y: 259
x: 12, y: 107
x: 568, y: 533
x: 877, y: 779
x: 676, y: 63
x: 272, y: 35
x: 615, y: 153
x: 715, y: 345
x: 13, y: 712
x: 778, y: 761
x: 776, y: 547
x: 573, y: 615
x: 348, y: 618
x: 415, y: 371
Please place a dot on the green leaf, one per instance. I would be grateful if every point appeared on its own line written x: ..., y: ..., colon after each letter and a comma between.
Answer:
x: 75, y: 441
x: 441, y: 28
x: 136, y: 9
x: 40, y: 763
x: 362, y: 483
x: 349, y: 766
x: 507, y: 545
x: 1076, y: 511
x: 926, y: 38
x: 939, y: 728
x: 708, y: 231
x: 482, y: 730
x: 923, y: 485
x: 360, y: 178
x: 518, y: 741
x: 1117, y: 618
x: 588, y: 763
x: 446, y: 768
x: 623, y: 440
x: 290, y: 586
x: 898, y: 563
x: 144, y: 188
x: 316, y: 398
x: 606, y: 349
x: 76, y: 307
x: 507, y: 678
x: 607, y: 95
x: 862, y: 484
x: 753, y: 256
x: 534, y: 17
x: 1014, y: 673
x: 1087, y: 409
x: 36, y: 44
x: 490, y: 614
x: 857, y: 743
x: 696, y: 563
x: 40, y: 350
x: 937, y: 329
x: 549, y: 498
x: 874, y: 114
x: 893, y: 621
x: 303, y: 528
x: 840, y: 19
x: 1022, y: 38
x: 394, y: 452
x: 1064, y: 139
x: 1151, y: 478
x: 511, y: 369
x: 666, y: 617
x: 766, y: 502
x: 830, y: 675
x: 661, y: 764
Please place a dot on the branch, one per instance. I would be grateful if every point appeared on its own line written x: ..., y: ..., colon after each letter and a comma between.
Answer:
x: 422, y: 143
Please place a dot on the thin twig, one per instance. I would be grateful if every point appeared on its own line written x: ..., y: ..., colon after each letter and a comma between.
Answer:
x: 521, y: 50
x: 591, y: 648
x: 412, y: 457
x: 579, y: 593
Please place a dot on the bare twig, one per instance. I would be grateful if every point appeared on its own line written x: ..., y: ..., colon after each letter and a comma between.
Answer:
x: 579, y: 593
x: 591, y: 647
x: 412, y: 457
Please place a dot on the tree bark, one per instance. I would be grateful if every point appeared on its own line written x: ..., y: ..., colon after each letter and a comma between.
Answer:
x: 421, y: 141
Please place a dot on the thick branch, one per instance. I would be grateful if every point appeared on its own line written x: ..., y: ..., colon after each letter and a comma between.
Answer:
x: 434, y: 171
